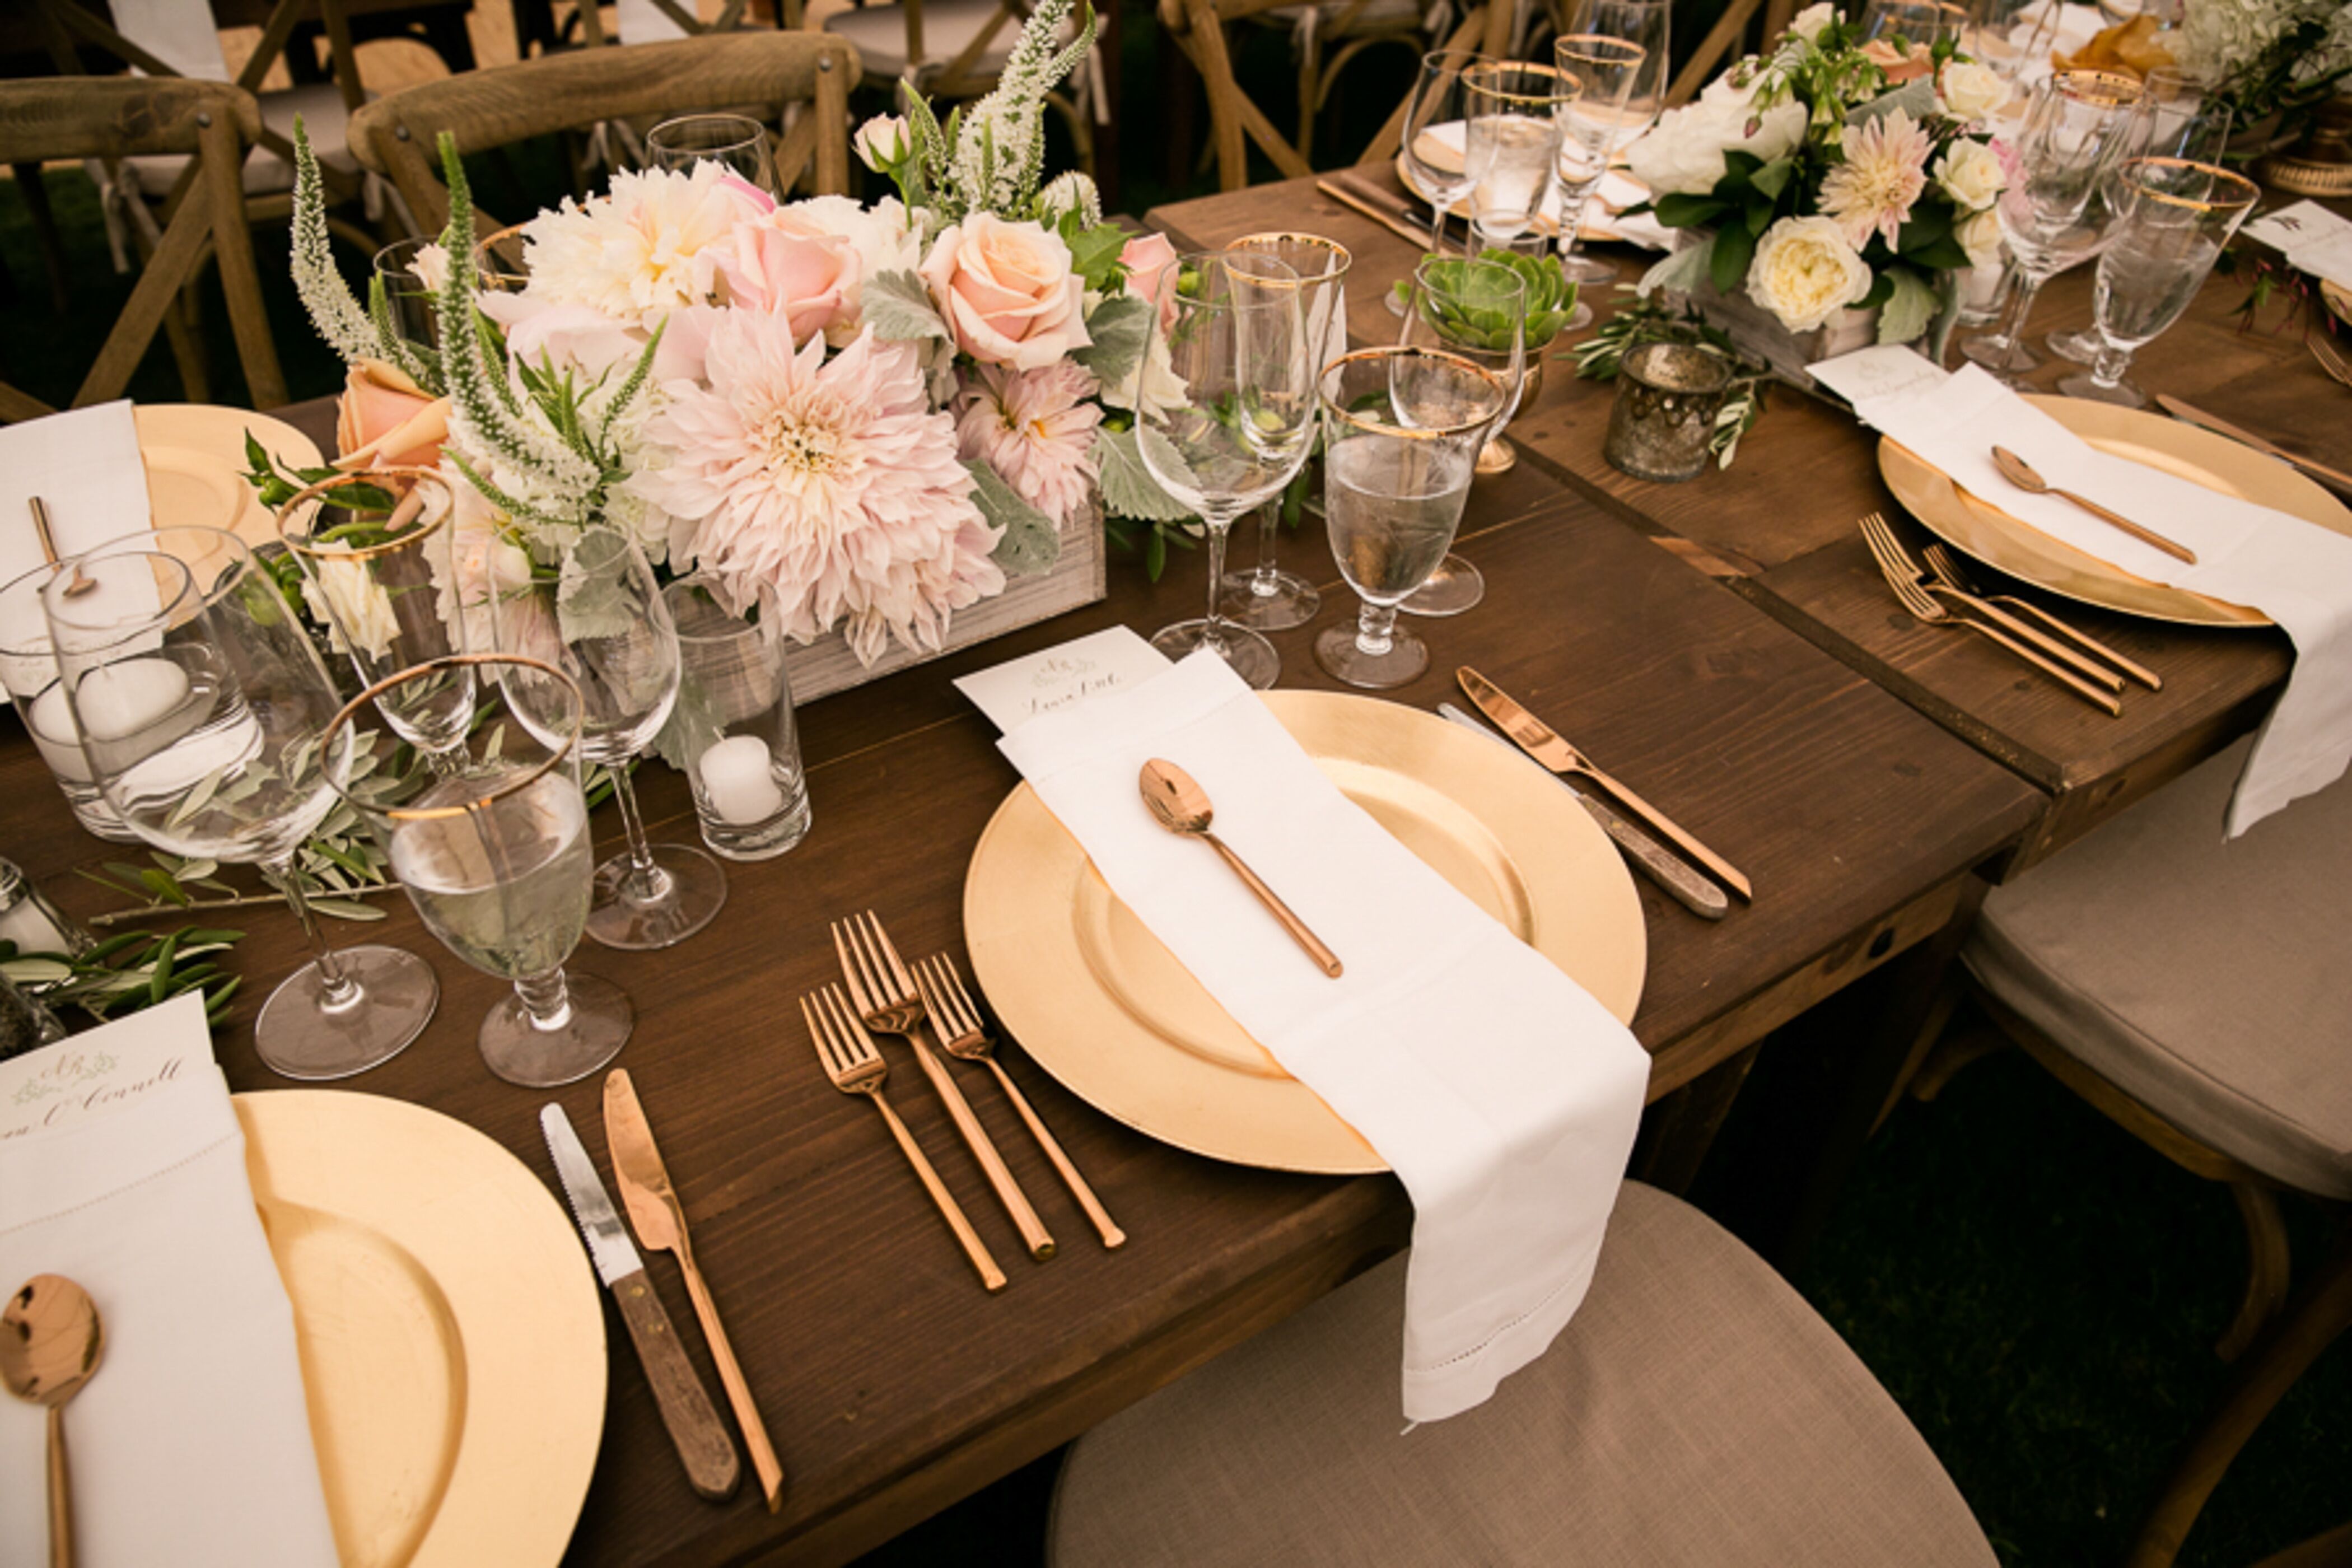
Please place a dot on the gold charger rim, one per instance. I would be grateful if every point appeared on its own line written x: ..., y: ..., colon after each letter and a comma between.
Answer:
x: 524, y: 1306
x: 1577, y: 881
x: 1605, y: 229
x: 2010, y: 545
x: 214, y: 435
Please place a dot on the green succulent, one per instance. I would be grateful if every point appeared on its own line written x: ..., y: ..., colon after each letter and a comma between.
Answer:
x: 1463, y: 303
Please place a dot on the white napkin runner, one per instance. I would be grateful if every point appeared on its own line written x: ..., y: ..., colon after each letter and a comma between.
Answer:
x: 122, y: 1168
x: 1501, y: 1093
x: 85, y: 465
x: 2296, y: 573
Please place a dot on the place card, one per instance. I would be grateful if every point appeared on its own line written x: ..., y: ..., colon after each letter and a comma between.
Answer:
x: 1879, y: 371
x: 87, y: 1076
x: 1015, y: 692
x: 2315, y: 240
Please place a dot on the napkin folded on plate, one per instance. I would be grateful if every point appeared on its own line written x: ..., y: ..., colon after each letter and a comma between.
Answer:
x: 85, y: 465
x: 2296, y: 573
x: 1501, y: 1093
x: 191, y: 1446
x: 1615, y: 189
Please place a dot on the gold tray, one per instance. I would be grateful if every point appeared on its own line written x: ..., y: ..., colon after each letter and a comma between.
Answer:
x: 1997, y: 539
x: 194, y: 454
x: 1100, y: 1003
x: 452, y: 1340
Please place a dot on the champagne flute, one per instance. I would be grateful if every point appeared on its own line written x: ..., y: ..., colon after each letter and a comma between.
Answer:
x: 495, y: 857
x: 598, y: 618
x: 2078, y: 126
x: 1239, y: 428
x: 1650, y: 25
x: 1594, y: 125
x: 1432, y: 163
x: 736, y: 140
x: 1268, y: 598
x: 2173, y: 216
x: 204, y: 713
x: 1478, y: 310
x: 1402, y: 429
x: 375, y: 552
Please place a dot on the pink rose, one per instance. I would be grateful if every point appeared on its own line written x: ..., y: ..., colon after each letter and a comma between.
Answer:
x: 759, y: 201
x: 1146, y: 260
x: 781, y: 265
x: 1897, y: 66
x: 1008, y: 292
x: 384, y: 418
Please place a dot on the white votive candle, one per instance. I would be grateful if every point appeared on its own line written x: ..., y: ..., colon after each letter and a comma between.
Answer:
x: 50, y: 724
x: 115, y: 701
x: 736, y: 781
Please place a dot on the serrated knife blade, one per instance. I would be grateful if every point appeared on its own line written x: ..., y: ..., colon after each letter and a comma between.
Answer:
x: 712, y: 1468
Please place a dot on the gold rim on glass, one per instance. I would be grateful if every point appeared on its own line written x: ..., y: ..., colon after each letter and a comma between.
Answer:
x: 286, y: 523
x: 2244, y: 193
x: 1486, y: 82
x: 1266, y: 244
x: 1600, y: 49
x: 1197, y: 262
x: 1407, y: 432
x: 2100, y: 90
x: 348, y: 718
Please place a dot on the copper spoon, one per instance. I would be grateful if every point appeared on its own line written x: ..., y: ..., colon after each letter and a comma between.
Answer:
x: 2022, y: 474
x: 50, y: 1341
x: 81, y: 583
x: 1181, y: 806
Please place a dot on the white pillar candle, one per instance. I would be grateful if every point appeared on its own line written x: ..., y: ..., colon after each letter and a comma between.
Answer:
x: 115, y: 701
x: 738, y: 782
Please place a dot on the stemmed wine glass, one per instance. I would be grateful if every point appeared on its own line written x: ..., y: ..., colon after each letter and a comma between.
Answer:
x: 204, y: 713
x: 1402, y: 429
x: 375, y: 552
x: 737, y: 141
x: 1920, y: 22
x: 1268, y: 598
x: 600, y: 620
x: 1238, y: 345
x: 1594, y: 125
x: 2172, y: 218
x: 1432, y: 165
x: 409, y: 301
x: 495, y: 857
x: 1479, y: 311
x: 2078, y: 126
x: 1650, y: 25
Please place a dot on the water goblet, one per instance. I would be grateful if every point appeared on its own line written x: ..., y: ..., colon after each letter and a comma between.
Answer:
x: 1432, y: 165
x: 736, y: 140
x: 1514, y: 117
x: 598, y: 618
x: 376, y: 555
x: 204, y: 713
x: 1613, y: 39
x: 1402, y: 429
x: 1237, y: 346
x: 2173, y: 216
x: 1268, y: 598
x: 495, y: 857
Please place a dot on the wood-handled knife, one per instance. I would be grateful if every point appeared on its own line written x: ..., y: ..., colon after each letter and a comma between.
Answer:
x: 2219, y: 426
x: 660, y: 1223
x: 1538, y: 741
x: 703, y: 1445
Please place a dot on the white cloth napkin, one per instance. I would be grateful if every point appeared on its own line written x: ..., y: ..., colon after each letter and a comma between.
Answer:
x: 85, y: 465
x: 192, y: 1443
x: 1501, y: 1094
x: 2296, y: 573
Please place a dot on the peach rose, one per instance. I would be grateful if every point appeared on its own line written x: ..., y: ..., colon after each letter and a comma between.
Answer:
x: 783, y: 267
x: 1008, y: 292
x: 384, y: 418
x: 1897, y: 66
x: 1146, y: 259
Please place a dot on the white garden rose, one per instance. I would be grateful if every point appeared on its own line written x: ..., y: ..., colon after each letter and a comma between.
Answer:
x: 346, y: 595
x: 1804, y: 272
x: 1971, y: 90
x: 882, y: 142
x: 1808, y: 23
x: 1979, y: 235
x: 1685, y: 152
x: 1969, y: 173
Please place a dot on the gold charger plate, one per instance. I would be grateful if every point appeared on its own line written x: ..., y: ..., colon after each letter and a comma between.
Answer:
x: 2000, y: 540
x: 196, y: 465
x: 1100, y: 1005
x: 452, y: 1340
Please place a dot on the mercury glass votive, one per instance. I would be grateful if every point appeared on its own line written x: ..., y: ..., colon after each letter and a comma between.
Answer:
x: 1668, y: 397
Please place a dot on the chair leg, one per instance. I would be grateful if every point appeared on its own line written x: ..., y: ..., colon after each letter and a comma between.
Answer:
x: 2317, y: 1316
x: 2267, y: 1267
x: 29, y: 185
x: 1952, y: 1053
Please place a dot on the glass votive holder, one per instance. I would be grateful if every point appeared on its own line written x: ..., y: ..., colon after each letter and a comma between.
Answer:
x: 29, y: 669
x: 1668, y: 396
x: 733, y: 729
x: 31, y: 921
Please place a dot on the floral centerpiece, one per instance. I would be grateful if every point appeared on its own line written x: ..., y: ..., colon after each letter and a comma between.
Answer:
x: 1832, y: 175
x: 2265, y: 58
x: 845, y: 416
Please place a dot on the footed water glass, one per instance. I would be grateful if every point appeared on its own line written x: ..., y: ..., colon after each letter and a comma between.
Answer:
x: 2173, y: 216
x: 1594, y: 125
x: 1511, y: 143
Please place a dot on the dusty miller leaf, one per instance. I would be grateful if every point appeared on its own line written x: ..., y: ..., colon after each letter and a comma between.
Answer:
x: 1907, y: 310
x: 899, y: 306
x: 1031, y: 544
x: 1120, y: 328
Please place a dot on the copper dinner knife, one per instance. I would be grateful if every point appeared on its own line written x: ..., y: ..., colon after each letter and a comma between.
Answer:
x: 1538, y: 741
x: 660, y: 1223
x: 703, y: 1445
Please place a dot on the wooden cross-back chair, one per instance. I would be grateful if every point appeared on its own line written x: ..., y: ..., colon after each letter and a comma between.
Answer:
x: 212, y: 123
x: 952, y: 49
x: 500, y: 105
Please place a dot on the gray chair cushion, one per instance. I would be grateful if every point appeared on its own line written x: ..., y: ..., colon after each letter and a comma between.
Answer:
x: 1694, y: 1412
x: 2210, y: 982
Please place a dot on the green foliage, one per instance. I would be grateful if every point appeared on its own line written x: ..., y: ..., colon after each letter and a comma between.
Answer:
x: 128, y: 973
x: 1467, y: 303
x: 1031, y: 544
x: 1644, y: 320
x: 1121, y: 330
x: 897, y: 305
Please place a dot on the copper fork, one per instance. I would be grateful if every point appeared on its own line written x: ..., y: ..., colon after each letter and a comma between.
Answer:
x: 848, y: 1055
x: 2331, y: 358
x: 957, y: 1022
x: 887, y: 999
x: 1948, y: 569
x: 1904, y: 575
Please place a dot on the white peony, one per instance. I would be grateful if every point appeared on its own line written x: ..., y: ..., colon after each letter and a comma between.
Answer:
x: 1971, y: 90
x: 1685, y: 152
x: 1808, y: 23
x: 1979, y: 235
x: 1969, y: 173
x: 1804, y: 272
x: 346, y: 595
